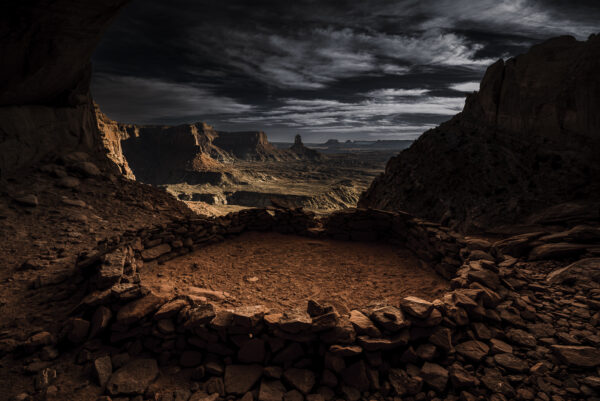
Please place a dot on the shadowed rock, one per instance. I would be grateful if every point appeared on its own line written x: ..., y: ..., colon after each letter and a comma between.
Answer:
x: 528, y: 139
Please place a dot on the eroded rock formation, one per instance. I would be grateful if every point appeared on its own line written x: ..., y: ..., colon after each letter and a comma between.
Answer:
x: 45, y: 105
x: 529, y: 139
x: 160, y: 154
x: 251, y: 145
x: 302, y: 151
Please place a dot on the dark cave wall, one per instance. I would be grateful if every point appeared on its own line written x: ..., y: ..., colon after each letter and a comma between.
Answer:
x: 45, y: 70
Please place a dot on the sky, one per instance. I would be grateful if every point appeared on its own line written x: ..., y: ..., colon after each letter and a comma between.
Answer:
x: 343, y: 69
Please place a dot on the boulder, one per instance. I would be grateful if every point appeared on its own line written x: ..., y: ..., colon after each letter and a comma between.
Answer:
x: 240, y: 379
x: 157, y: 251
x: 389, y: 318
x: 417, y: 307
x: 363, y: 325
x: 27, y: 200
x: 87, y: 169
x: 461, y: 378
x: 138, y: 309
x: 37, y: 341
x: 583, y: 270
x: 301, y: 379
x: 473, y: 350
x: 578, y: 356
x: 133, y: 378
x: 511, y: 363
x: 103, y: 370
x: 196, y: 316
x: 384, y: 344
x: 292, y: 322
x: 203, y: 396
x: 170, y: 309
x: 556, y: 251
x: 271, y: 390
x: 435, y: 376
x: 78, y: 330
x: 403, y: 384
x: 521, y: 337
x: 248, y: 316
x: 355, y: 376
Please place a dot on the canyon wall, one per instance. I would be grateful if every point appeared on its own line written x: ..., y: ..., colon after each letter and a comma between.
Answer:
x: 161, y: 154
x: 529, y: 139
x: 251, y: 145
x: 45, y: 104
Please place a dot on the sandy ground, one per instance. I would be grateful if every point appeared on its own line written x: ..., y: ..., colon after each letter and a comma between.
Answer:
x: 284, y: 272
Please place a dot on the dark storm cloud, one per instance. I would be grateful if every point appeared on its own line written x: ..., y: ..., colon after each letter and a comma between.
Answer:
x: 343, y: 69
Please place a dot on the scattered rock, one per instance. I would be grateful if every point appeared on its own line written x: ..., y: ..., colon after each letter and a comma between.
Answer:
x: 390, y: 318
x: 583, y: 270
x: 209, y: 294
x: 68, y: 182
x: 461, y: 378
x: 241, y: 378
x: 417, y: 307
x: 103, y: 370
x: 88, y: 169
x: 271, y: 390
x: 511, y: 363
x: 136, y: 310
x: 435, y: 376
x: 157, y: 251
x: 293, y: 395
x: 78, y: 330
x: 579, y: 356
x: 27, y: 200
x: 556, y: 251
x: 133, y: 378
x: 301, y: 379
x: 355, y: 375
x: 473, y: 350
x: 38, y: 340
x: 363, y: 325
x: 404, y: 384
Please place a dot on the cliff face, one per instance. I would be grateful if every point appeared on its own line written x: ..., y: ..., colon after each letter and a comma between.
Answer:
x: 45, y: 106
x: 162, y: 154
x: 158, y: 154
x: 529, y: 139
x: 552, y: 92
x: 252, y: 145
x: 111, y: 134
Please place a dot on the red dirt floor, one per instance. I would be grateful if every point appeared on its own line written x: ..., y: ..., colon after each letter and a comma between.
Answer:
x: 283, y: 272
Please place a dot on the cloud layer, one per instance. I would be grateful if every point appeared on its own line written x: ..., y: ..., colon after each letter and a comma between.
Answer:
x: 343, y: 68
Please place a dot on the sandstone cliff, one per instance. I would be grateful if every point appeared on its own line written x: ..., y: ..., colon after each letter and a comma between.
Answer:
x: 111, y: 134
x: 158, y: 154
x: 529, y: 139
x: 45, y: 106
x: 251, y: 145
